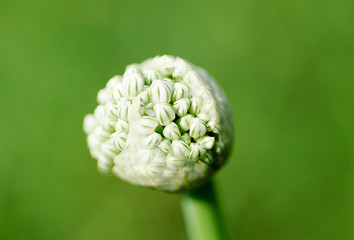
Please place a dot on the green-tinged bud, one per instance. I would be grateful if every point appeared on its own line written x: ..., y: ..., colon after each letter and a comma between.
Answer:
x: 180, y: 149
x: 165, y: 146
x: 150, y: 76
x: 195, y: 106
x: 111, y: 111
x: 185, y: 122
x: 164, y: 113
x: 146, y: 125
x: 120, y: 139
x: 197, y: 128
x: 186, y: 138
x: 209, y: 159
x: 144, y: 97
x: 152, y: 140
x: 112, y: 82
x: 103, y: 96
x: 122, y: 126
x: 198, y: 152
x: 117, y: 92
x: 160, y: 91
x: 133, y: 84
x: 171, y: 131
x: 181, y: 91
x: 132, y: 69
x: 149, y: 110
x: 109, y: 148
x: 175, y: 163
x: 181, y: 106
x: 90, y: 123
x: 99, y: 113
x: 108, y: 123
x: 206, y: 141
x: 166, y: 64
x: 123, y: 109
x: 101, y: 134
x: 213, y: 127
x: 181, y: 69
x: 163, y: 124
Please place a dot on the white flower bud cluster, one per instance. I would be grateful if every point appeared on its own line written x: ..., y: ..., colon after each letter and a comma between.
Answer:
x: 164, y: 124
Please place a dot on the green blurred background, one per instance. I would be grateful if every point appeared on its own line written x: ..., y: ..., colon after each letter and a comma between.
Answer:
x: 287, y: 68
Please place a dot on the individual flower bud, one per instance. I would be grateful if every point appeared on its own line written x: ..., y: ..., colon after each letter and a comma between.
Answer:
x: 195, y: 106
x: 132, y: 69
x: 198, y: 152
x: 149, y: 110
x: 99, y: 112
x: 181, y: 106
x: 208, y: 159
x: 111, y: 111
x: 186, y: 138
x: 112, y: 82
x: 152, y: 140
x: 109, y: 148
x: 171, y: 131
x: 133, y: 84
x: 150, y: 76
x: 144, y: 97
x: 204, y: 116
x: 160, y: 91
x: 120, y: 139
x: 93, y: 142
x: 166, y: 64
x: 213, y: 127
x: 122, y: 126
x: 206, y: 141
x: 90, y: 123
x: 175, y: 163
x: 169, y: 173
x: 181, y: 91
x: 101, y: 134
x: 185, y: 122
x: 146, y: 125
x: 180, y: 149
x: 108, y: 123
x: 164, y: 113
x: 123, y: 109
x: 104, y: 158
x: 117, y: 92
x: 202, y: 92
x: 181, y: 69
x: 165, y: 146
x: 155, y: 170
x: 103, y: 96
x: 197, y: 128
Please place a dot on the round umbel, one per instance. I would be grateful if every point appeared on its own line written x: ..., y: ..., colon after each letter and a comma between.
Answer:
x: 163, y: 124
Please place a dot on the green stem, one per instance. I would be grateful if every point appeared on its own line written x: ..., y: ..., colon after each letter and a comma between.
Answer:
x: 202, y: 215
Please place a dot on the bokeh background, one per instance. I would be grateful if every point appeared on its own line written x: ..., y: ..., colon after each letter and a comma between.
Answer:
x: 287, y: 68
